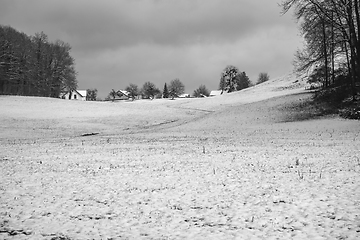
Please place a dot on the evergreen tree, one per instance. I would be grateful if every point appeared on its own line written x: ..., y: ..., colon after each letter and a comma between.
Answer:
x: 165, y: 92
x: 242, y: 81
x: 222, y: 84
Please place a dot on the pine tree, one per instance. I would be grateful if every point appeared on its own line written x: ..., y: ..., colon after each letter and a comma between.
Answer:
x: 242, y: 81
x: 222, y: 84
x: 165, y: 92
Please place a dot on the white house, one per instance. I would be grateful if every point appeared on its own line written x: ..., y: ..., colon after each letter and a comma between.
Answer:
x: 75, y: 95
x: 185, y: 95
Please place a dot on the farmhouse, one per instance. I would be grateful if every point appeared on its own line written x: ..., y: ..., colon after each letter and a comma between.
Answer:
x: 75, y: 95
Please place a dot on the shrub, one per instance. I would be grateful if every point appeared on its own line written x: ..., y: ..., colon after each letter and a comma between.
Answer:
x: 351, y: 113
x: 334, y: 95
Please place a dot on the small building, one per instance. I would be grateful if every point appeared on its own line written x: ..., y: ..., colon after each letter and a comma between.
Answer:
x: 119, y: 95
x: 75, y: 95
x: 122, y: 95
x: 215, y: 93
x: 185, y: 95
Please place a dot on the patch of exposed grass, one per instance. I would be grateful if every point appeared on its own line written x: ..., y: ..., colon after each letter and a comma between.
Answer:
x: 339, y: 100
x: 306, y: 107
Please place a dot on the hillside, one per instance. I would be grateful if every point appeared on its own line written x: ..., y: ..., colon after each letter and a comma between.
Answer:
x: 255, y: 164
x: 36, y: 117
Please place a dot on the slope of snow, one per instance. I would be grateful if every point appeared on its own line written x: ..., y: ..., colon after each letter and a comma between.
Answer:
x: 237, y: 166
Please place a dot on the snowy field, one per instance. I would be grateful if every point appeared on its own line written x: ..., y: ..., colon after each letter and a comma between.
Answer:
x: 248, y: 165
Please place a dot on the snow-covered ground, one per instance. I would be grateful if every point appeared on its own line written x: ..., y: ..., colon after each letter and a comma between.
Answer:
x: 245, y: 165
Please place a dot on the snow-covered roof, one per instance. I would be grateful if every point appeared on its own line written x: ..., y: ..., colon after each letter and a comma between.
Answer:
x: 185, y: 95
x: 126, y: 93
x: 215, y: 93
x: 82, y: 92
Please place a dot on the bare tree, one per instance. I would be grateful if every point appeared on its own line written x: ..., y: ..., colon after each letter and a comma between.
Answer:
x: 176, y: 88
x: 31, y: 65
x: 263, y: 77
x: 149, y: 90
x: 202, y: 91
x: 133, y: 90
x: 331, y: 31
x: 113, y: 94
x: 91, y: 94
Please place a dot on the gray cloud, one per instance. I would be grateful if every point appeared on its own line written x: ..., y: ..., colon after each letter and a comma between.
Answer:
x: 116, y: 42
x: 118, y: 23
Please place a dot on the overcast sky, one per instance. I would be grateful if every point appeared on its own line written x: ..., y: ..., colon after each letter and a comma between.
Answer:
x: 118, y: 42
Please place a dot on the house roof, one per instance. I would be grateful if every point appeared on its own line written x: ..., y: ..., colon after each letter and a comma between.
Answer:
x: 126, y: 93
x: 81, y: 92
x: 185, y: 95
x: 215, y: 92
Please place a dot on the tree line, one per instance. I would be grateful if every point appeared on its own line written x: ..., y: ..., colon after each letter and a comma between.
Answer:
x: 332, y: 48
x: 150, y: 91
x: 231, y: 80
x: 34, y: 66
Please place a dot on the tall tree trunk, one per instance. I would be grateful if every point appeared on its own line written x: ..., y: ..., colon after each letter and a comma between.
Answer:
x: 348, y: 62
x: 325, y: 54
x: 332, y: 50
x: 357, y: 36
x: 353, y: 73
x: 353, y: 48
